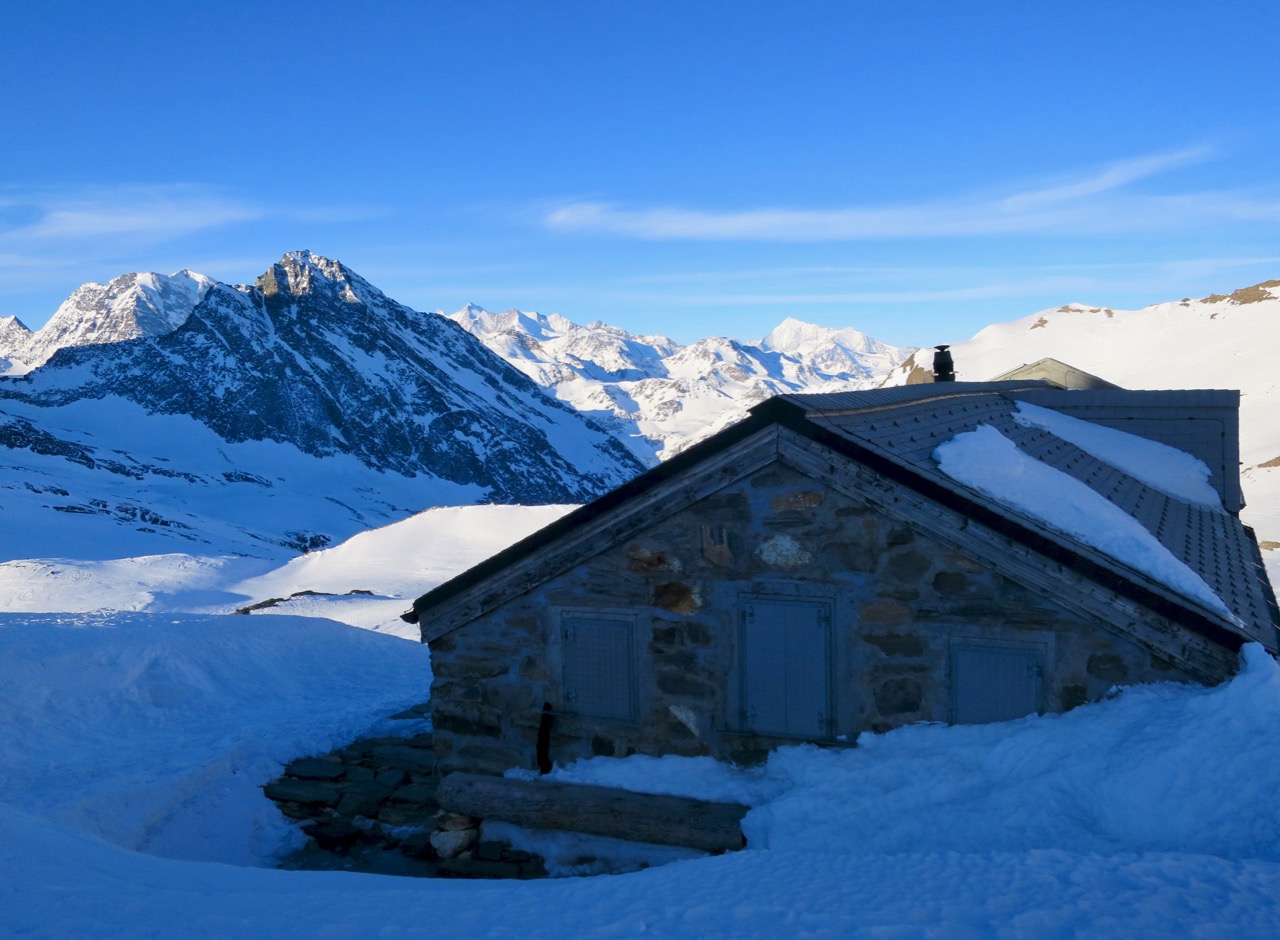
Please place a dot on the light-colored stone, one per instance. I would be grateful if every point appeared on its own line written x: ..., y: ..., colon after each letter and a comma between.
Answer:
x: 783, y: 551
x: 455, y: 822
x: 450, y: 843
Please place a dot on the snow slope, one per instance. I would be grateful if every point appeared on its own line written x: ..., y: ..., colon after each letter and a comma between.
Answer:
x: 103, y: 478
x: 154, y: 732
x: 134, y: 745
x: 366, y: 581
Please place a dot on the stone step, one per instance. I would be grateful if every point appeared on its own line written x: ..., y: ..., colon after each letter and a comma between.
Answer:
x: 375, y: 799
x: 315, y: 768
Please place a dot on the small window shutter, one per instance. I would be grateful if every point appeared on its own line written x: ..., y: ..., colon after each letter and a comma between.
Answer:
x: 598, y: 667
x: 786, y: 668
x: 994, y: 683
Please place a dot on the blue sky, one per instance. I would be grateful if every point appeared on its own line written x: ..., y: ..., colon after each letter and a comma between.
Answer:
x: 916, y: 170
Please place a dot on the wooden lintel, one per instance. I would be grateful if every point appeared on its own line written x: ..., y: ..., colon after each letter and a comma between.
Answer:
x: 601, y: 811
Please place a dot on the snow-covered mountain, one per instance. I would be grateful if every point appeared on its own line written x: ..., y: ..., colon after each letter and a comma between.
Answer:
x: 130, y: 306
x: 660, y: 396
x: 1220, y: 341
x: 209, y: 394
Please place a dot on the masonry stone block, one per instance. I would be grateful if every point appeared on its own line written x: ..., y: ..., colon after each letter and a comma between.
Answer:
x: 885, y: 613
x: 899, y: 697
x: 908, y: 565
x: 896, y: 644
x: 950, y: 582
x: 677, y: 597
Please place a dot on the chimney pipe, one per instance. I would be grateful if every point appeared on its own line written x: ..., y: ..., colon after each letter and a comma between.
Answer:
x: 944, y: 370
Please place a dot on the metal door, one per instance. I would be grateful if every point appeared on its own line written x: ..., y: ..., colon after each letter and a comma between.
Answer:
x: 786, y: 668
x: 994, y: 683
x: 598, y: 667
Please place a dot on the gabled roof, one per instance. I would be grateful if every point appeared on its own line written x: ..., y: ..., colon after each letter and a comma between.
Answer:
x: 894, y: 432
x: 1059, y: 373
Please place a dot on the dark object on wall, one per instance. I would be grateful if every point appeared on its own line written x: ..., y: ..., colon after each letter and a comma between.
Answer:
x: 944, y: 369
x: 544, y: 740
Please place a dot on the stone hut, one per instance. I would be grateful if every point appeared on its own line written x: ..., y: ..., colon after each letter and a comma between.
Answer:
x: 814, y: 572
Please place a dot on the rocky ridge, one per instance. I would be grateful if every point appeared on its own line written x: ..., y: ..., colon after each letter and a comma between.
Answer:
x: 318, y: 404
x: 660, y: 396
x: 314, y: 356
x: 129, y: 307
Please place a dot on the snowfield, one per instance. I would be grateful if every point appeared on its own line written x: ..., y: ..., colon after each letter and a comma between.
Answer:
x: 134, y: 744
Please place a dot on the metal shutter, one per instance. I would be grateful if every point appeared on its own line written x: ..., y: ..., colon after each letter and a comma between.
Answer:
x: 598, y: 669
x: 786, y: 668
x: 994, y: 683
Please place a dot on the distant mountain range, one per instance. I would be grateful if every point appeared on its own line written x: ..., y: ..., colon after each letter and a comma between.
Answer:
x: 659, y: 396
x: 309, y: 405
x: 286, y: 414
x: 150, y: 382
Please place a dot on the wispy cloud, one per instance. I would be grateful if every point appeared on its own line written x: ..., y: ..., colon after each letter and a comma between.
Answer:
x: 832, y: 286
x: 136, y: 211
x: 1104, y: 200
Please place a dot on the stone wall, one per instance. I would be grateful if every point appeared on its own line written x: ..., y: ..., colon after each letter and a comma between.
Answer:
x: 899, y: 603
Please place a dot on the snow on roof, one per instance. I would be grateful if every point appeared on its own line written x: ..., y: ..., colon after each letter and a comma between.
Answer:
x: 992, y: 464
x: 1166, y: 468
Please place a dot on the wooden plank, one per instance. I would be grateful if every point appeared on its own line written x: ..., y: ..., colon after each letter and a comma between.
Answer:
x: 601, y: 811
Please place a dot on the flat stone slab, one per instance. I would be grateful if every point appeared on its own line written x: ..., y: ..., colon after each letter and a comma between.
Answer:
x: 413, y: 759
x: 302, y: 791
x: 315, y: 768
x: 604, y: 811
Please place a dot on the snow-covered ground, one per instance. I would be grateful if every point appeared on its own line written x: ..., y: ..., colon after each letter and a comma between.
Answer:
x: 386, y: 568
x: 132, y: 747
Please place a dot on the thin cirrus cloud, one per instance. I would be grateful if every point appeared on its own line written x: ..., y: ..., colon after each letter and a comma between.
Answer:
x: 143, y: 212
x: 1102, y: 201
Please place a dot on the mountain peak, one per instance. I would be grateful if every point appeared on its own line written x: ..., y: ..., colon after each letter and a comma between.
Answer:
x: 303, y: 272
x: 127, y: 307
x: 798, y: 337
x: 12, y: 325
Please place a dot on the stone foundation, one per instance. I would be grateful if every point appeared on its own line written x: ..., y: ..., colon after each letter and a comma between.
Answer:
x: 370, y: 806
